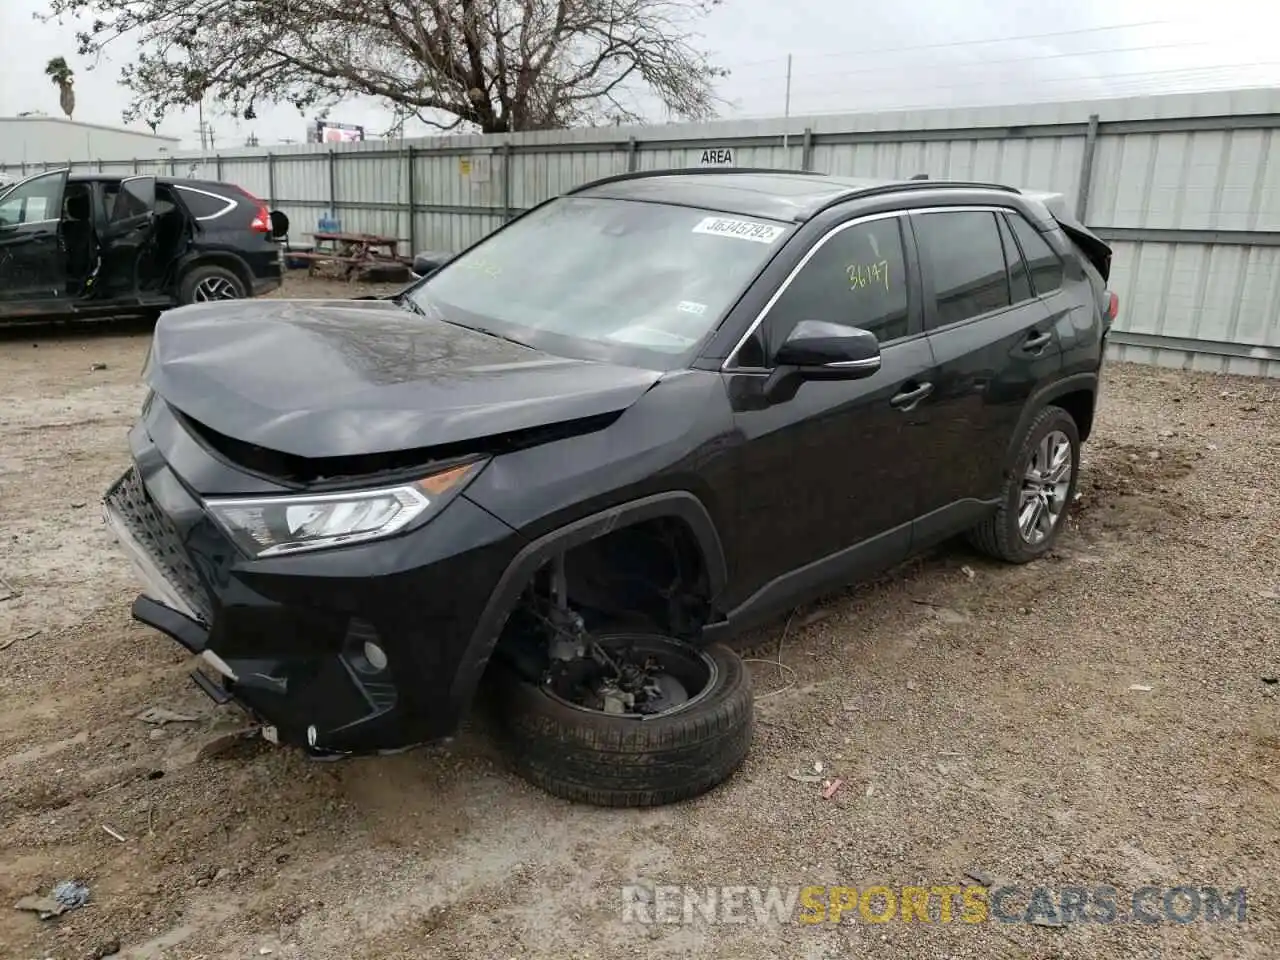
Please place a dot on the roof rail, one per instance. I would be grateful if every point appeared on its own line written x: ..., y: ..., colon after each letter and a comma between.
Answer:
x: 911, y: 186
x: 682, y: 171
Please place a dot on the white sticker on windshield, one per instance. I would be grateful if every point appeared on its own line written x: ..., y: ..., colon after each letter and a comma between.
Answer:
x: 692, y: 306
x: 741, y: 229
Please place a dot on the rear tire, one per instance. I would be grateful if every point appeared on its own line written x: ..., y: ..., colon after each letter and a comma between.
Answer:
x: 617, y: 761
x: 1004, y: 535
x: 206, y: 283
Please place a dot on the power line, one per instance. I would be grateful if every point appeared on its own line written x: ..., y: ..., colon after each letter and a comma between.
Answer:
x: 834, y: 74
x: 1134, y: 80
x: 951, y: 44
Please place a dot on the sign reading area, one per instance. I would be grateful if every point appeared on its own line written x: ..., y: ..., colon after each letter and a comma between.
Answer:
x: 716, y: 157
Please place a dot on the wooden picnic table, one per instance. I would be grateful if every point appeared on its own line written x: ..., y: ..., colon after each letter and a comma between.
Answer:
x: 353, y: 253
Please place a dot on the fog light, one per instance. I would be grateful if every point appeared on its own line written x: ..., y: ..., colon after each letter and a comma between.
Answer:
x: 376, y: 656
x: 362, y: 648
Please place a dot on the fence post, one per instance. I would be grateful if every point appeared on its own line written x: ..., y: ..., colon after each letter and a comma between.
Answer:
x: 271, y: 179
x: 413, y: 234
x: 1086, y: 168
x: 806, y: 150
x: 633, y: 159
x: 333, y: 184
x: 217, y: 166
x: 506, y: 180
x: 135, y: 164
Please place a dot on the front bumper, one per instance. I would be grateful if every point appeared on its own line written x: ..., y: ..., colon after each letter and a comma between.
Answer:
x: 287, y: 637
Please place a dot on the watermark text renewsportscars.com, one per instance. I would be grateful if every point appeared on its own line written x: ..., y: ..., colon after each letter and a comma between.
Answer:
x: 938, y: 904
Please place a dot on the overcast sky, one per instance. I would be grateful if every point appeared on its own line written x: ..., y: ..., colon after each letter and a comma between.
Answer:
x: 846, y: 57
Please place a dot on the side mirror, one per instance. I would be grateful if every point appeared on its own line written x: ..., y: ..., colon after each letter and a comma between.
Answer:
x: 815, y: 350
x: 830, y: 351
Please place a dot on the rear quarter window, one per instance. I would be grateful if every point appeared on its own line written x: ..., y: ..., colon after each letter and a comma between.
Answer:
x: 1046, y: 269
x: 204, y: 205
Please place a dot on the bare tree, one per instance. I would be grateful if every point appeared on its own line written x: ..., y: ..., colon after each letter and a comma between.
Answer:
x: 492, y: 65
x: 63, y: 78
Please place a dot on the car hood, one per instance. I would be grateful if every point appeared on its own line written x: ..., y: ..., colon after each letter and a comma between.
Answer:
x: 336, y: 378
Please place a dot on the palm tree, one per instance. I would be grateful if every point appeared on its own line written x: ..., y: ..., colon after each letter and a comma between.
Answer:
x: 61, y: 75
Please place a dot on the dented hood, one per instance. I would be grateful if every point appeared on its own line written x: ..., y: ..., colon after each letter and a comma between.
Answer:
x: 321, y: 378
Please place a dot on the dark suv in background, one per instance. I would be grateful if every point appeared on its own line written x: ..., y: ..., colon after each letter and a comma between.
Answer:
x: 582, y: 457
x: 86, y: 245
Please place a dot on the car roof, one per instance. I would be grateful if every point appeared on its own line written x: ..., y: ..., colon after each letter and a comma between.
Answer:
x: 775, y: 194
x: 95, y: 177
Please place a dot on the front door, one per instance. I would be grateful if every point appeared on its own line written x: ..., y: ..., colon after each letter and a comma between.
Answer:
x: 994, y: 341
x: 31, y: 266
x: 827, y: 484
x: 130, y: 224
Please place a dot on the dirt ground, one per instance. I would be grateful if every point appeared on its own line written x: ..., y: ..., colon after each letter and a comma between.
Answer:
x: 981, y: 717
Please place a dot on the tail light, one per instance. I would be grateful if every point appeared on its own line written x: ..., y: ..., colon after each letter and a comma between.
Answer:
x: 1113, y: 306
x: 261, y: 222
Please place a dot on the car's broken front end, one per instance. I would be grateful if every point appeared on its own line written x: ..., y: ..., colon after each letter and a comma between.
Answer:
x: 342, y: 651
x: 297, y: 506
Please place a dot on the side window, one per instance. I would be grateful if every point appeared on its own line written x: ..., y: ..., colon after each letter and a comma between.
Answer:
x: 1046, y: 268
x: 1019, y: 279
x: 203, y: 205
x: 135, y: 197
x: 34, y: 201
x: 966, y: 262
x: 858, y: 278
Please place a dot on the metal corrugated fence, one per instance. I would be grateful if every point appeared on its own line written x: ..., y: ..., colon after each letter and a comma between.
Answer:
x: 1186, y: 187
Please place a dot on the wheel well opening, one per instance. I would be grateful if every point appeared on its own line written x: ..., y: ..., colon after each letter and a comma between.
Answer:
x: 1079, y: 404
x: 648, y: 576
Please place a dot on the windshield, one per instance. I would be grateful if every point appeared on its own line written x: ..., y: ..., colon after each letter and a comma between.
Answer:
x: 626, y: 281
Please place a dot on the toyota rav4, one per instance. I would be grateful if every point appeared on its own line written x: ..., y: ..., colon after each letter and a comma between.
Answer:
x: 581, y: 457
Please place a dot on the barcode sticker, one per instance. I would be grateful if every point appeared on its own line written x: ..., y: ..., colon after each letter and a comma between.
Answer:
x: 739, y: 229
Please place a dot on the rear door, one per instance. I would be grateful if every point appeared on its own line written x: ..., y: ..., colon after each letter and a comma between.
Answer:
x: 993, y: 341
x: 130, y: 222
x: 31, y: 266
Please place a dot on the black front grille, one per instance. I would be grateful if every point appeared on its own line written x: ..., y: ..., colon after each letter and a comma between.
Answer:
x: 158, y: 536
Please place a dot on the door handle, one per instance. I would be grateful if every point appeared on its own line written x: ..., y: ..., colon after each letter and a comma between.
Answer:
x: 1036, y: 342
x: 907, y: 399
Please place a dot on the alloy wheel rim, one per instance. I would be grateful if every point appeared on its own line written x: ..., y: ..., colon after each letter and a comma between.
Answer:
x: 216, y: 288
x: 1045, y: 483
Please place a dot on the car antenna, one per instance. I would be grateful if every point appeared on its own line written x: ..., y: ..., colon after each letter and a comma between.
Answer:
x: 921, y: 176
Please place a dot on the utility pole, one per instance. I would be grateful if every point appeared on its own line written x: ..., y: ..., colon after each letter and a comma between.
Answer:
x: 786, y: 110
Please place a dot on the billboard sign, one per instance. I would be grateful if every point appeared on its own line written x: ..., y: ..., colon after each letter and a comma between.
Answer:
x: 326, y: 131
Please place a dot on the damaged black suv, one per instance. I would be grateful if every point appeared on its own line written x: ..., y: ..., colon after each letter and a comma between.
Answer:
x: 583, y: 454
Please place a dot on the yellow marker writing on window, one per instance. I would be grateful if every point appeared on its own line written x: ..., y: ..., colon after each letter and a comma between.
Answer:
x: 862, y: 275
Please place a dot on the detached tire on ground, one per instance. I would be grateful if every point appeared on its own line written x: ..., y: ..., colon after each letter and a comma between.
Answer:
x: 208, y: 283
x: 1045, y: 469
x: 623, y: 761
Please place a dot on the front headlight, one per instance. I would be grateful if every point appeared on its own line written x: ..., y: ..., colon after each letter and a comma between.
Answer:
x: 271, y: 526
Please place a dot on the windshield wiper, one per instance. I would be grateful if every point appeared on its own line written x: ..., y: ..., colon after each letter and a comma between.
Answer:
x: 407, y: 301
x: 497, y: 336
x: 434, y: 313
